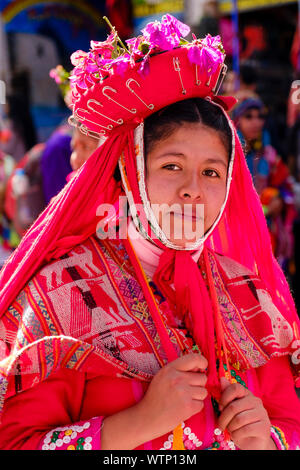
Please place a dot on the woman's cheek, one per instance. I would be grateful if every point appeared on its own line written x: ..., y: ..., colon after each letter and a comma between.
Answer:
x: 159, y: 189
x: 214, y: 199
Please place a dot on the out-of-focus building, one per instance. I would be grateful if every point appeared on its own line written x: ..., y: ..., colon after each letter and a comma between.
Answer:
x: 35, y: 37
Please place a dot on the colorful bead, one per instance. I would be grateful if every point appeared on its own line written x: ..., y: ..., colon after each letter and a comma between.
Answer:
x: 59, y: 442
x: 64, y: 435
x: 54, y: 437
x: 221, y: 441
x: 234, y: 377
x: 190, y: 440
x: 168, y: 444
x: 279, y: 438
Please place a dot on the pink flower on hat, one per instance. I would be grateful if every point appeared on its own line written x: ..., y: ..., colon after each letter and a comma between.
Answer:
x: 78, y: 57
x: 212, y: 41
x: 112, y: 57
x: 85, y: 65
x: 165, y: 34
x: 104, y: 48
x: 120, y: 64
x: 206, y: 53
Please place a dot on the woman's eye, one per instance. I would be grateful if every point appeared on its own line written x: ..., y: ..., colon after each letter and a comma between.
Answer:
x: 172, y: 167
x: 211, y: 173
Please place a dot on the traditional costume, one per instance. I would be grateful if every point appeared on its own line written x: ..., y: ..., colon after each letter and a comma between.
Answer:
x: 88, y: 316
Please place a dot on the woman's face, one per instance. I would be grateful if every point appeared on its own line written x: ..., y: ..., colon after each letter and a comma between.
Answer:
x: 186, y: 175
x: 251, y: 124
x: 82, y: 148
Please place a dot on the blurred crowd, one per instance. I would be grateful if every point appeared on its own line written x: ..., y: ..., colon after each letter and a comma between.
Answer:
x: 276, y: 176
x: 32, y: 173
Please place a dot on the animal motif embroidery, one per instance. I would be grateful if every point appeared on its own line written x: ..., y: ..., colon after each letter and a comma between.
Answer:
x: 282, y: 331
x: 80, y: 257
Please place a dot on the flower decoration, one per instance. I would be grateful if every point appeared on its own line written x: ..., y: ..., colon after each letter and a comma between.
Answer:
x: 61, y: 77
x: 208, y: 53
x: 113, y: 57
x: 166, y: 34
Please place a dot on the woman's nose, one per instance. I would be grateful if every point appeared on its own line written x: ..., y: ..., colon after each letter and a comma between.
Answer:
x: 191, y: 189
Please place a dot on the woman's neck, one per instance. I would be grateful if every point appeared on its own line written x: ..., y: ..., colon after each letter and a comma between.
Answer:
x: 148, y: 253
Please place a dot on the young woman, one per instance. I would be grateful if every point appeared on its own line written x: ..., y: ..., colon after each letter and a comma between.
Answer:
x: 167, y: 327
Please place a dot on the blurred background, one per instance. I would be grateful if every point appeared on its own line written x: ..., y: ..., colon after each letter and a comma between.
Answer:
x: 39, y: 151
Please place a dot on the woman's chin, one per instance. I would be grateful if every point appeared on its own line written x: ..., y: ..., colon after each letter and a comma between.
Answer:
x: 183, y: 242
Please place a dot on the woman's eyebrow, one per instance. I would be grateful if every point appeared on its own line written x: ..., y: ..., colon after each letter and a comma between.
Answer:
x: 182, y: 155
x: 216, y: 160
x: 173, y: 154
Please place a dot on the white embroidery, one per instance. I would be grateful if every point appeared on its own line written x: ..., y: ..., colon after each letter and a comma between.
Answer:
x: 282, y: 331
x: 190, y: 440
x: 80, y: 257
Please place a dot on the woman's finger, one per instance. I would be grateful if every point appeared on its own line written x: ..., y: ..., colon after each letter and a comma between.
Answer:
x: 244, y: 419
x: 251, y: 430
x: 189, y: 362
x: 231, y: 393
x: 195, y: 378
x: 235, y: 407
x: 198, y: 393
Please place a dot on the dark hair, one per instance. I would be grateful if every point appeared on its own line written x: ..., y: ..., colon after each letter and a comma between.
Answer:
x: 195, y: 110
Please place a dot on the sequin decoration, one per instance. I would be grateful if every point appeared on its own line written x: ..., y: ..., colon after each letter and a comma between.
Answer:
x: 190, y: 440
x: 220, y: 442
x: 69, y: 438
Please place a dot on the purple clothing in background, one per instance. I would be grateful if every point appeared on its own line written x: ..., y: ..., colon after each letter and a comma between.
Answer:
x: 55, y: 163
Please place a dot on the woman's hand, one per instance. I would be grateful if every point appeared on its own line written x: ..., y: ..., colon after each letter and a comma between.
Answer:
x: 245, y: 417
x: 176, y: 392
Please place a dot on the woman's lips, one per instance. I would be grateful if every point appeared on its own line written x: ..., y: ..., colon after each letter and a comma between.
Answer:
x: 184, y: 215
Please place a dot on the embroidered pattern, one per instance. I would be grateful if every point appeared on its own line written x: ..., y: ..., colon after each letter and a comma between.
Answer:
x: 80, y: 436
x: 220, y: 443
x: 279, y: 438
x: 132, y: 293
x: 190, y: 440
x: 241, y: 344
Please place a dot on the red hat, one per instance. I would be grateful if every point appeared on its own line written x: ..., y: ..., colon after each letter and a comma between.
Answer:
x: 114, y: 86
